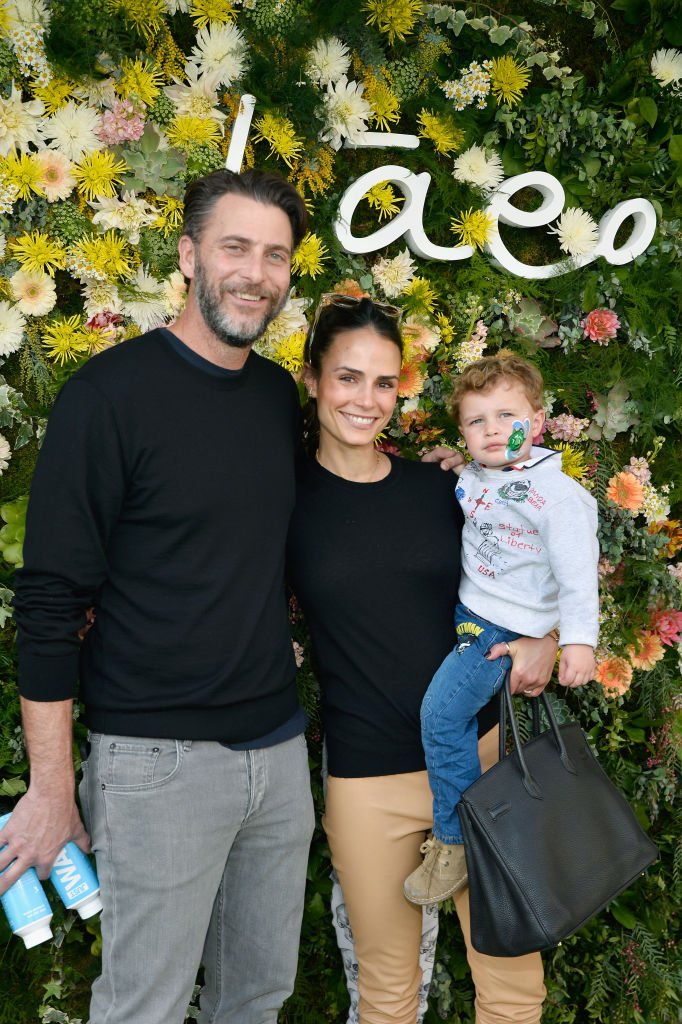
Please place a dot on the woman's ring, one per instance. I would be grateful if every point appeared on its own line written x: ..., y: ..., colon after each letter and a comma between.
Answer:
x: 527, y: 693
x: 507, y: 646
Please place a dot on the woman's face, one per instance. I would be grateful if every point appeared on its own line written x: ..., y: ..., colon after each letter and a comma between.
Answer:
x: 356, y: 388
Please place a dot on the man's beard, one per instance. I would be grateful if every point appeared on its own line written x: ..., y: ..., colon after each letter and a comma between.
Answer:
x: 226, y: 328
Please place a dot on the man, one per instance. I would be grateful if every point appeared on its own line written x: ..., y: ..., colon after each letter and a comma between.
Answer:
x: 162, y: 497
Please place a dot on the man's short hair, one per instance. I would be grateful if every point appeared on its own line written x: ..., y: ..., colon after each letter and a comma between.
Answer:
x: 488, y: 372
x: 262, y: 186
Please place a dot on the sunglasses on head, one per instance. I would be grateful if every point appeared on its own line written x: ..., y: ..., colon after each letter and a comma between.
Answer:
x: 348, y: 302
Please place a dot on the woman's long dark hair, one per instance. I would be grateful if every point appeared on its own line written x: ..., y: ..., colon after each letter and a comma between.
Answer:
x: 331, y: 321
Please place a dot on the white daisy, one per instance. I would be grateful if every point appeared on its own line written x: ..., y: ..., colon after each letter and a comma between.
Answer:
x: 100, y: 296
x: 12, y: 324
x: 577, y: 232
x: 345, y: 112
x: 35, y: 294
x: 220, y: 50
x: 475, y: 167
x: 199, y: 98
x: 394, y: 275
x: 292, y: 318
x: 73, y: 130
x: 5, y: 454
x: 143, y: 300
x: 666, y: 66
x: 57, y: 180
x: 20, y: 123
x: 328, y: 61
x: 128, y: 214
x: 175, y: 293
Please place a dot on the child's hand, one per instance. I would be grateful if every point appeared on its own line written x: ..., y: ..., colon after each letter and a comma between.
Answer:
x: 577, y: 665
x: 449, y: 458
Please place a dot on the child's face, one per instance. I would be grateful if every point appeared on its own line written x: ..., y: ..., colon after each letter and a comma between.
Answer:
x: 498, y: 425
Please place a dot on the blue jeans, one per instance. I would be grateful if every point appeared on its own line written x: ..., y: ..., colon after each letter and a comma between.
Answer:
x: 201, y: 855
x: 463, y: 684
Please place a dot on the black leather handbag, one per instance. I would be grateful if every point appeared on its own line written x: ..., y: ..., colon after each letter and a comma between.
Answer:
x: 549, y: 839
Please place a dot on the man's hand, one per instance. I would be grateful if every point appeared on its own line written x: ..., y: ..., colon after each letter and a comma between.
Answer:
x: 532, y: 662
x: 38, y: 829
x: 576, y: 665
x: 449, y: 458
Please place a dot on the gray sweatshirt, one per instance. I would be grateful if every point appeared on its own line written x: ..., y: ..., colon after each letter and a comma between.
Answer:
x: 529, y: 548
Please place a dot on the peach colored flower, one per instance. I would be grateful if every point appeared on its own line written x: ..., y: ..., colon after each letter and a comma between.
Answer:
x: 411, y: 381
x: 625, y: 490
x: 673, y: 530
x: 667, y: 625
x: 350, y: 287
x: 600, y: 325
x: 646, y: 651
x: 420, y: 340
x: 614, y: 674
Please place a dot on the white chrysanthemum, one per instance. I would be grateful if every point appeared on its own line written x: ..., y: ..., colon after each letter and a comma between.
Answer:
x: 666, y: 66
x: 73, y: 129
x: 220, y: 50
x: 57, y: 181
x: 345, y: 112
x: 144, y: 301
x: 22, y: 13
x: 394, y: 275
x: 291, y: 319
x: 177, y: 6
x: 198, y: 99
x: 5, y: 454
x: 577, y: 232
x: 12, y: 324
x: 127, y: 214
x: 100, y: 296
x: 474, y: 167
x: 20, y: 123
x: 175, y: 293
x: 97, y: 92
x: 328, y: 61
x: 35, y: 294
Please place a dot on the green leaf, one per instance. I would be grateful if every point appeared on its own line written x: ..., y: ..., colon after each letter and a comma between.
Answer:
x: 675, y: 148
x: 623, y: 916
x: 592, y: 165
x: 648, y: 109
x: 587, y: 10
x: 500, y: 35
x: 590, y: 294
x: 12, y: 787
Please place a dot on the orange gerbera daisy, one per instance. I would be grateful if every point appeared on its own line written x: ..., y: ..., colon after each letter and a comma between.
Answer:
x: 614, y: 674
x: 411, y: 381
x: 647, y: 650
x: 625, y: 490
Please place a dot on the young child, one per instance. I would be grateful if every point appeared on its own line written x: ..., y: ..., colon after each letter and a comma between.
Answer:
x: 529, y: 560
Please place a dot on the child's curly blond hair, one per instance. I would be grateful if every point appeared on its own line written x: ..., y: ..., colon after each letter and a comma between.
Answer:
x: 489, y: 371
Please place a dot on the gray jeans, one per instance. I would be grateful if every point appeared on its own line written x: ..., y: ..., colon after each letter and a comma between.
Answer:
x: 201, y: 855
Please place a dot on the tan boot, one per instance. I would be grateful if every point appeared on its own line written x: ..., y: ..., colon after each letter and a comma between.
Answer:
x: 442, y: 872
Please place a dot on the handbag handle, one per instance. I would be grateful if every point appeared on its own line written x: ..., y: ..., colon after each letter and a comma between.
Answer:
x: 507, y: 709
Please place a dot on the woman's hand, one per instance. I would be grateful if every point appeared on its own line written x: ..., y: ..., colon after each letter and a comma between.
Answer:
x: 532, y: 662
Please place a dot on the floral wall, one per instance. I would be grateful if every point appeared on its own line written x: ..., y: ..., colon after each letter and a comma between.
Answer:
x: 108, y: 108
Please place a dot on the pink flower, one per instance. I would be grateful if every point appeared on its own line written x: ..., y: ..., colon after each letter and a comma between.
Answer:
x: 667, y: 624
x: 640, y: 469
x: 121, y: 124
x: 600, y: 325
x: 566, y: 428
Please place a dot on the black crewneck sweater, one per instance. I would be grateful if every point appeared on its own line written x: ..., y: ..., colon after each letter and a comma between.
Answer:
x: 162, y: 496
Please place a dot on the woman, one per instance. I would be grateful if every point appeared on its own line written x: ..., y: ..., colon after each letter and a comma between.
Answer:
x: 374, y: 560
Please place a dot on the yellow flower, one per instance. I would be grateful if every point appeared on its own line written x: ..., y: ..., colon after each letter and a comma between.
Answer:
x: 648, y: 650
x: 381, y: 197
x: 186, y: 131
x: 447, y: 331
x: 573, y: 462
x: 395, y: 18
x: 171, y: 212
x: 108, y: 255
x: 98, y: 173
x: 25, y: 171
x: 204, y: 11
x: 289, y: 351
x: 280, y: 135
x: 315, y: 171
x: 37, y: 252
x: 55, y: 94
x: 441, y: 131
x: 474, y: 227
x: 419, y: 297
x: 384, y: 103
x: 509, y: 80
x: 310, y: 255
x: 146, y: 16
x: 65, y: 339
x: 140, y: 80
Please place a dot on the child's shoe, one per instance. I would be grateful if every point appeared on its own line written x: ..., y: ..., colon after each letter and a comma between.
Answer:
x: 442, y: 872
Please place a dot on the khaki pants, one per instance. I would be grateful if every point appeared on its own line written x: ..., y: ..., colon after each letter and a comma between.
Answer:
x: 375, y: 827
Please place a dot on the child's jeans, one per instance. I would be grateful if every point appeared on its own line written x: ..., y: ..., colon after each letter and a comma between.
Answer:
x: 463, y: 684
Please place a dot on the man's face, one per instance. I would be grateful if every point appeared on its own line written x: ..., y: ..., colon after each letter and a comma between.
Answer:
x: 239, y: 268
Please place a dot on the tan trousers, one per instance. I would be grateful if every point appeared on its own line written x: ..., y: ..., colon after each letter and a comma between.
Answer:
x: 375, y: 827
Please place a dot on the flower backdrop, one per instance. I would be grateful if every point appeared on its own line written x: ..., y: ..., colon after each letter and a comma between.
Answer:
x: 108, y: 108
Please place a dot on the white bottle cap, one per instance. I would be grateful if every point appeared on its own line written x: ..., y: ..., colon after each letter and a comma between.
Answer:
x: 90, y: 906
x: 35, y: 932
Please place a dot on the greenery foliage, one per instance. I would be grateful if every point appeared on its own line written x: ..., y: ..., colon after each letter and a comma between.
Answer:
x: 589, y: 93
